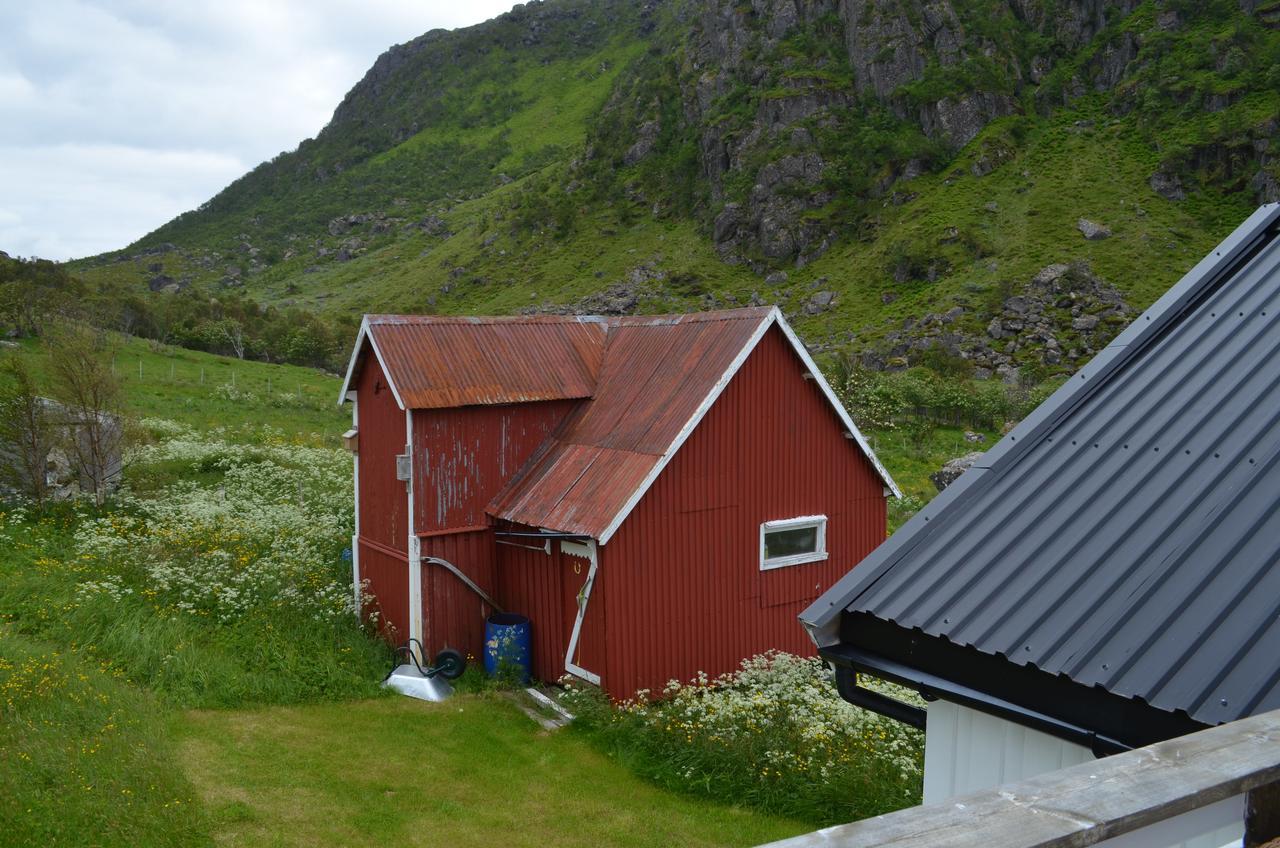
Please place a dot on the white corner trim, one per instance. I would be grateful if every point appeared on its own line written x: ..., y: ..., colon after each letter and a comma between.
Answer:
x: 415, y: 547
x: 802, y: 522
x: 590, y: 552
x: 355, y: 354
x: 836, y: 405
x: 691, y: 424
x: 355, y: 537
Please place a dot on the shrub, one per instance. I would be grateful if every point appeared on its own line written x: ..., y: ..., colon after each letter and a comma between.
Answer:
x: 774, y: 734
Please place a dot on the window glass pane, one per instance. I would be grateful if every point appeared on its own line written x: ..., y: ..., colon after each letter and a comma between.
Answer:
x: 781, y: 543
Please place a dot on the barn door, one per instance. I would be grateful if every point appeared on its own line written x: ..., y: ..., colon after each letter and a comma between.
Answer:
x: 579, y: 561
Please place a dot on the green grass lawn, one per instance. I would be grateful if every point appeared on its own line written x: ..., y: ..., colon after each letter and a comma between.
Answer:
x: 206, y: 391
x: 470, y: 772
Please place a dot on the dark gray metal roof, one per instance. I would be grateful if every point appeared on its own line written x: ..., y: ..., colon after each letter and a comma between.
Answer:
x: 1127, y: 534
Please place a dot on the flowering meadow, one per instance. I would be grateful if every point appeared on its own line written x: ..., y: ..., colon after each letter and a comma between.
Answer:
x: 216, y: 580
x: 774, y: 734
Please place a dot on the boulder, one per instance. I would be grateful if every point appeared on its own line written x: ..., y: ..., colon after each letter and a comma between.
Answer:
x: 951, y: 471
x: 1092, y: 230
x: 819, y: 302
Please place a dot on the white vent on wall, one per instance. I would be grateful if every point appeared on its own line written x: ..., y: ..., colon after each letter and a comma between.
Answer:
x: 402, y: 466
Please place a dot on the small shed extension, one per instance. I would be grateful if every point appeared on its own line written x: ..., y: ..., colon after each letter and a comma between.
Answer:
x: 1108, y: 575
x: 612, y: 478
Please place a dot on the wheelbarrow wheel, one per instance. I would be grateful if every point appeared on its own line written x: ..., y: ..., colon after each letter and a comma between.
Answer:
x: 450, y: 664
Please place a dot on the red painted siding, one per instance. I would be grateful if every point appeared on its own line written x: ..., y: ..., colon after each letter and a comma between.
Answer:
x: 684, y: 590
x: 384, y: 505
x: 463, y: 457
x: 530, y: 583
x: 388, y: 575
x: 384, y: 511
x: 453, y: 615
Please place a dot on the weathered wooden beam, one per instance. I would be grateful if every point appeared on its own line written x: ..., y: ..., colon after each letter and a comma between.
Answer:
x: 1262, y: 817
x: 1084, y: 804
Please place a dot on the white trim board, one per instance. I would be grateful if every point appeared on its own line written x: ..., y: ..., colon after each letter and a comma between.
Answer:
x: 589, y: 552
x: 773, y: 317
x: 366, y: 333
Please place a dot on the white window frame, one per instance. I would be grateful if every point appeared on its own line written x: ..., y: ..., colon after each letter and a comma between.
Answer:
x: 801, y: 523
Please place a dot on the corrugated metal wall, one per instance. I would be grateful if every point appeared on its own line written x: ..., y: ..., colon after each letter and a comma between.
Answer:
x: 462, y: 458
x: 453, y: 615
x: 384, y: 508
x: 681, y: 582
x: 530, y: 583
x: 384, y: 512
x: 388, y: 576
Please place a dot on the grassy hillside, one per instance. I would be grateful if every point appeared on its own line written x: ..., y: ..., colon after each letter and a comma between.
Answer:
x: 556, y: 159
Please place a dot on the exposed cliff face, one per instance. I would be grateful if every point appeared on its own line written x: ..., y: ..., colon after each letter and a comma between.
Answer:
x: 797, y: 103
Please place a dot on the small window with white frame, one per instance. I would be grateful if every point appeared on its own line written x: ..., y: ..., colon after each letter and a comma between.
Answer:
x: 793, y: 541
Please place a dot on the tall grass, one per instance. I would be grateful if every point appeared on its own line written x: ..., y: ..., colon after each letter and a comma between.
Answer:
x: 84, y: 757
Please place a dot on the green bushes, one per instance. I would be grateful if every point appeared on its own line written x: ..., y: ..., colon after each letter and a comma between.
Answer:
x: 883, y: 400
x: 774, y: 734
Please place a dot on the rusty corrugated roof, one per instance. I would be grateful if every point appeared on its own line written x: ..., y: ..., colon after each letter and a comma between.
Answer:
x: 645, y: 383
x: 658, y: 377
x: 436, y: 362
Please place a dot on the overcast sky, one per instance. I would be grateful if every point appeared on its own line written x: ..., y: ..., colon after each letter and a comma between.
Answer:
x: 117, y: 115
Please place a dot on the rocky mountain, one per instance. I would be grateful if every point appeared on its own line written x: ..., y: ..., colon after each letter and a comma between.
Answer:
x: 997, y: 181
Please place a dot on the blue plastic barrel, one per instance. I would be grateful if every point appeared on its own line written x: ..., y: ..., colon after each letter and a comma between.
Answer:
x: 507, y: 642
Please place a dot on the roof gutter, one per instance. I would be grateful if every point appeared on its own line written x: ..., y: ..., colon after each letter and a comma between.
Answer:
x: 932, y: 686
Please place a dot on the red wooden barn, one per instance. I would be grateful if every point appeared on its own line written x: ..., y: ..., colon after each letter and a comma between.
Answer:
x: 659, y: 495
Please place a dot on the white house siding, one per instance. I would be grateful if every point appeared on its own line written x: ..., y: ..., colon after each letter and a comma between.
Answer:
x: 966, y: 750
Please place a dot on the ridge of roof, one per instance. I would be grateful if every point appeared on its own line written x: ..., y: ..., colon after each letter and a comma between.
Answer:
x: 570, y: 457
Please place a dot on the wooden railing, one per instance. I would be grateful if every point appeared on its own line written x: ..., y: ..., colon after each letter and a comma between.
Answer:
x: 1156, y: 795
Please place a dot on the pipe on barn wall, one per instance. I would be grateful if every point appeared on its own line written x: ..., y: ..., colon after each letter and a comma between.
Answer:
x: 467, y: 581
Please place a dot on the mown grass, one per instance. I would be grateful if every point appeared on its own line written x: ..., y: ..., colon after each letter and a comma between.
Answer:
x: 472, y: 771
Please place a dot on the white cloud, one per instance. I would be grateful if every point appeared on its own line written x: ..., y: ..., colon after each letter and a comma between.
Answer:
x: 120, y: 114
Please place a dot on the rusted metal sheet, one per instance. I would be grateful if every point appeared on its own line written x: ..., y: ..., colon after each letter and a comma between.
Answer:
x: 655, y: 376
x: 441, y: 362
x: 683, y: 591
x: 463, y: 457
x: 453, y: 615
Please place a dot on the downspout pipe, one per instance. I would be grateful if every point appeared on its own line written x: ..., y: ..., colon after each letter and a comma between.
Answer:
x: 847, y: 686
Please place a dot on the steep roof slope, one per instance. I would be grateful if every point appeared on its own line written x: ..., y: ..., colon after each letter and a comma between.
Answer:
x: 1127, y: 534
x: 435, y: 362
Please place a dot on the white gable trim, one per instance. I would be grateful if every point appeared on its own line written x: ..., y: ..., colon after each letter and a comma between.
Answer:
x: 774, y: 316
x: 836, y: 405
x: 355, y: 354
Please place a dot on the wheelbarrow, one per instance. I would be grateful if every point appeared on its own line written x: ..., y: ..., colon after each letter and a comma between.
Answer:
x: 426, y: 684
